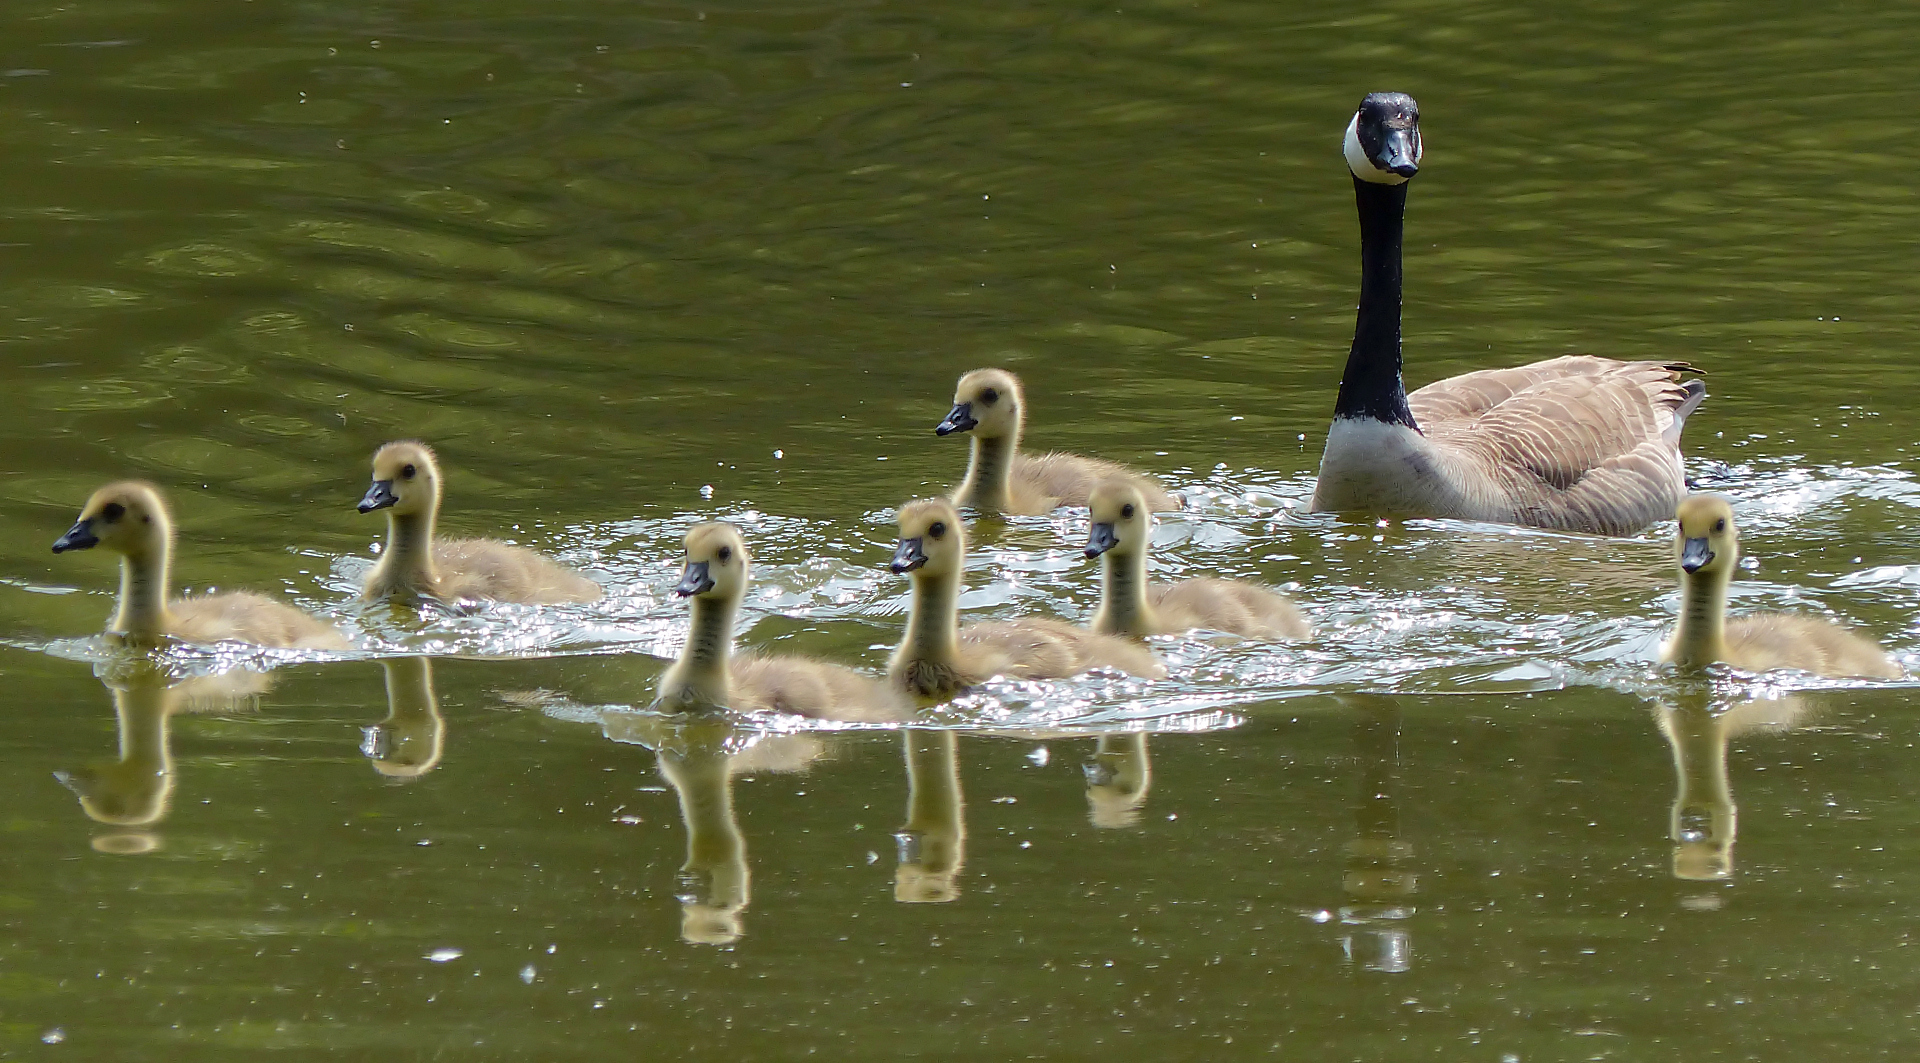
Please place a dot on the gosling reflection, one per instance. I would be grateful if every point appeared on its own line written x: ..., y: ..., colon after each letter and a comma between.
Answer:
x: 136, y: 790
x: 408, y: 743
x: 1379, y: 879
x: 699, y: 759
x: 1118, y: 778
x: 933, y: 843
x: 1705, y: 820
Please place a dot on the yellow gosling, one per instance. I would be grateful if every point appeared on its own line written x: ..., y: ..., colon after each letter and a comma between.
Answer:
x: 938, y: 658
x: 415, y: 566
x: 990, y: 405
x: 131, y: 519
x: 708, y: 675
x: 1709, y: 549
x: 1121, y: 532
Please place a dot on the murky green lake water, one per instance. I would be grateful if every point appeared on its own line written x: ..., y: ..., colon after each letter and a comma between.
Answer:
x: 634, y: 266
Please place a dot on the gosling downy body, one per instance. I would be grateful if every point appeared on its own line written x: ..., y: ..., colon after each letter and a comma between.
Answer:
x: 415, y: 566
x: 1709, y: 552
x: 991, y: 406
x: 1120, y: 534
x: 708, y: 675
x: 1578, y: 443
x: 938, y: 658
x: 131, y: 519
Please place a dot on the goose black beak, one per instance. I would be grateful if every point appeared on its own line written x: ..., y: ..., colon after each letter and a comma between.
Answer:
x: 1695, y: 555
x: 959, y: 419
x: 1100, y: 539
x: 78, y: 537
x: 379, y: 496
x: 1399, y: 152
x: 694, y: 580
x: 907, y: 556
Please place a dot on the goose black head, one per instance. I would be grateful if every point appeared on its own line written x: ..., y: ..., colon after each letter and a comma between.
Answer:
x: 1383, y: 140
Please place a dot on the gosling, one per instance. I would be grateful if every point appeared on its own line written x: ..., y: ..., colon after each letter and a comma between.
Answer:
x: 990, y: 404
x: 1709, y: 548
x: 707, y: 675
x: 1120, y: 534
x: 415, y: 566
x: 131, y: 519
x: 935, y: 660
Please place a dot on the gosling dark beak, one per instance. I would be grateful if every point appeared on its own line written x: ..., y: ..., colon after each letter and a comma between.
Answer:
x: 907, y: 556
x: 1100, y: 539
x: 1695, y: 555
x: 1399, y: 152
x: 959, y: 419
x: 78, y: 537
x: 694, y: 580
x: 379, y: 496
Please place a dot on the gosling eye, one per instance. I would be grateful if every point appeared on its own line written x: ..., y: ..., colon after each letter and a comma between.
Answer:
x: 938, y: 529
x: 725, y: 555
x: 1126, y: 511
x: 407, y: 471
x: 112, y: 511
x: 1720, y: 525
x: 990, y: 396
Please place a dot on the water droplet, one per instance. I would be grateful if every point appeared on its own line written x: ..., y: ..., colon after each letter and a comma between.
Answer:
x: 445, y: 955
x: 527, y: 974
x: 1039, y: 757
x: 53, y: 1036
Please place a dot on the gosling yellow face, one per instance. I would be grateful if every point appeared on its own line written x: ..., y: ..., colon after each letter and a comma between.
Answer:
x: 931, y: 540
x: 716, y: 565
x: 1707, y: 539
x: 127, y: 518
x: 405, y: 479
x: 987, y: 403
x: 1120, y: 520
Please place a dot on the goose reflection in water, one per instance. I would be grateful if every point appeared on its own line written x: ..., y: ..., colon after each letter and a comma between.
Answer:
x: 1118, y: 778
x: 933, y: 843
x: 1379, y: 880
x: 1705, y: 820
x: 408, y: 743
x: 699, y: 756
x: 136, y: 790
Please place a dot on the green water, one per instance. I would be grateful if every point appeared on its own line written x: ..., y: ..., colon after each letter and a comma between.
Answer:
x: 633, y: 266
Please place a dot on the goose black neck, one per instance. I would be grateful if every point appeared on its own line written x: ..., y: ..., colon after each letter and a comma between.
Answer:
x: 1371, y: 386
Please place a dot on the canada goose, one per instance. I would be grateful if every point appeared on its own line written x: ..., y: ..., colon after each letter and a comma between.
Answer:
x: 408, y: 743
x: 1118, y: 778
x: 1120, y: 533
x: 1709, y: 549
x: 933, y: 843
x: 131, y: 519
x: 718, y: 568
x: 406, y: 483
x: 935, y: 660
x: 990, y: 404
x: 1577, y: 443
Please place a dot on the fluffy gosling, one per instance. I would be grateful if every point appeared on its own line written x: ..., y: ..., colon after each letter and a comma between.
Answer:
x: 990, y: 404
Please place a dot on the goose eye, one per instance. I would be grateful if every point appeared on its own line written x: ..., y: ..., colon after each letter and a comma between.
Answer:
x: 990, y: 396
x: 1126, y: 511
x: 725, y: 555
x: 113, y: 511
x: 938, y: 529
x: 1720, y: 525
x: 407, y: 471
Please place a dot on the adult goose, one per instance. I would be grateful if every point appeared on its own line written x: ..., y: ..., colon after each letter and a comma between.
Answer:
x: 1578, y: 443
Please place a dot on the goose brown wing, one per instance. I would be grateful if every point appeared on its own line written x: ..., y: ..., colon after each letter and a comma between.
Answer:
x: 1580, y: 442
